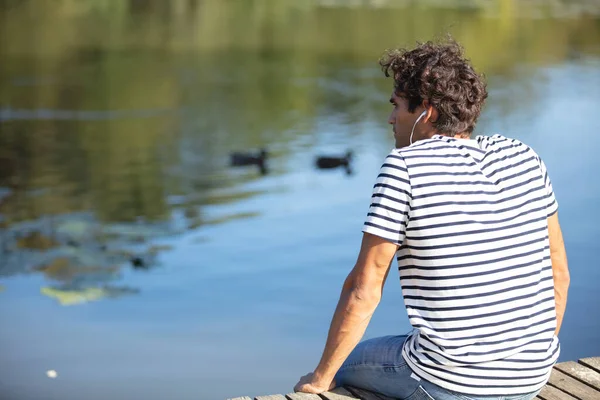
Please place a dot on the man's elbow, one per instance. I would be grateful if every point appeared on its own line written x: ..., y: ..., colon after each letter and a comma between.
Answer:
x: 360, y: 293
x: 565, y: 279
x: 562, y: 276
x: 367, y: 297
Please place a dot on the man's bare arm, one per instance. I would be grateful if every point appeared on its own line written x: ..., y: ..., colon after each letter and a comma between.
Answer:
x: 360, y: 296
x: 560, y: 268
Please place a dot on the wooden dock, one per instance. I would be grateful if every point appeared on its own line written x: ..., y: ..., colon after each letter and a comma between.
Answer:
x: 569, y: 381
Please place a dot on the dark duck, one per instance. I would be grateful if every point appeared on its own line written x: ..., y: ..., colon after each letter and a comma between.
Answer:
x: 330, y: 162
x: 241, y: 159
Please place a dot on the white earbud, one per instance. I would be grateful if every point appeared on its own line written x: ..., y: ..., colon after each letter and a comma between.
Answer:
x: 424, y: 113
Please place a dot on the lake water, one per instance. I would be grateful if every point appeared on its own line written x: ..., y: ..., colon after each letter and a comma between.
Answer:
x: 117, y: 119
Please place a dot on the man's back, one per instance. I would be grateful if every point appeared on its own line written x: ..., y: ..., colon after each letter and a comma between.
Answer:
x: 470, y: 217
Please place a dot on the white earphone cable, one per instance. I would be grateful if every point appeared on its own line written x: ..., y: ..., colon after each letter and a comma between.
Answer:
x: 415, y: 124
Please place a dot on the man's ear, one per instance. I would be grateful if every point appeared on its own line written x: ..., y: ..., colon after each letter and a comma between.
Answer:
x: 432, y: 112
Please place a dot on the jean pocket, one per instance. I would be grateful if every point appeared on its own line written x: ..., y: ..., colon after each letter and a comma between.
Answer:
x: 420, y: 394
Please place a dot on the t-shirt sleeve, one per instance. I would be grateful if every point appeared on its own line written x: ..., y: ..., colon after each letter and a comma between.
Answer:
x: 551, y: 203
x: 390, y: 202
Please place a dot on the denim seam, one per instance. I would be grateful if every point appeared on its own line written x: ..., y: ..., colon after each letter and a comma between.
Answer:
x: 397, y: 366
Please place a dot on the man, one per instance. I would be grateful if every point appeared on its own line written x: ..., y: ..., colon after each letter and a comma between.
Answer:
x: 474, y: 227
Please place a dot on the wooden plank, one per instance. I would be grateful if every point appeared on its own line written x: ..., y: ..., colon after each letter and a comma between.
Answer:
x: 591, y: 362
x: 552, y: 393
x: 581, y: 373
x: 339, y: 393
x: 367, y: 395
x: 572, y: 386
x: 302, y: 396
x: 568, y: 381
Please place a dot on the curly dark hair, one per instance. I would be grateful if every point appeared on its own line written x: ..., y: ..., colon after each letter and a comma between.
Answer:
x: 440, y: 74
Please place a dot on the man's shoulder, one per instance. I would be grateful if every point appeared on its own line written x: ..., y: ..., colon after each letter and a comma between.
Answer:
x: 501, y: 141
x: 395, y: 157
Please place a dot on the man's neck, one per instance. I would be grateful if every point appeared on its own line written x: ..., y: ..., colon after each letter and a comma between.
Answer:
x: 462, y: 135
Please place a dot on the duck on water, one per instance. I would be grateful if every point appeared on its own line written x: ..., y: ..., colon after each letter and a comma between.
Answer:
x: 331, y: 161
x: 240, y: 159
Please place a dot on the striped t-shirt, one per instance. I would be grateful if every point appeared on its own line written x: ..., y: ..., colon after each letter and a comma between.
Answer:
x: 470, y: 217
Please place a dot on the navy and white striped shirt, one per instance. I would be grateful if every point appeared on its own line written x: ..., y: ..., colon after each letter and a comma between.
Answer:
x: 470, y: 217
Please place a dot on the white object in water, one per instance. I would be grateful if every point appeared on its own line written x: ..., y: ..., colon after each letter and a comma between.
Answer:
x: 51, y: 373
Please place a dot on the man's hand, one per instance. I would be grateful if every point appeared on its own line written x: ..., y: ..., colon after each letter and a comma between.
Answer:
x: 309, y: 384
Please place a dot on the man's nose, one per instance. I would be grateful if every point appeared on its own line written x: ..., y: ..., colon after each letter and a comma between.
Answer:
x: 391, y: 119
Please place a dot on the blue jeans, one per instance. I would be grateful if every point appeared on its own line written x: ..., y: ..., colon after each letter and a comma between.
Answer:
x: 377, y: 365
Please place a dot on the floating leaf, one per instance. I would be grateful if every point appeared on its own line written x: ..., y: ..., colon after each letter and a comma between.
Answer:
x: 69, y: 297
x: 135, y: 233
x: 36, y: 241
x: 64, y: 269
x: 77, y: 229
